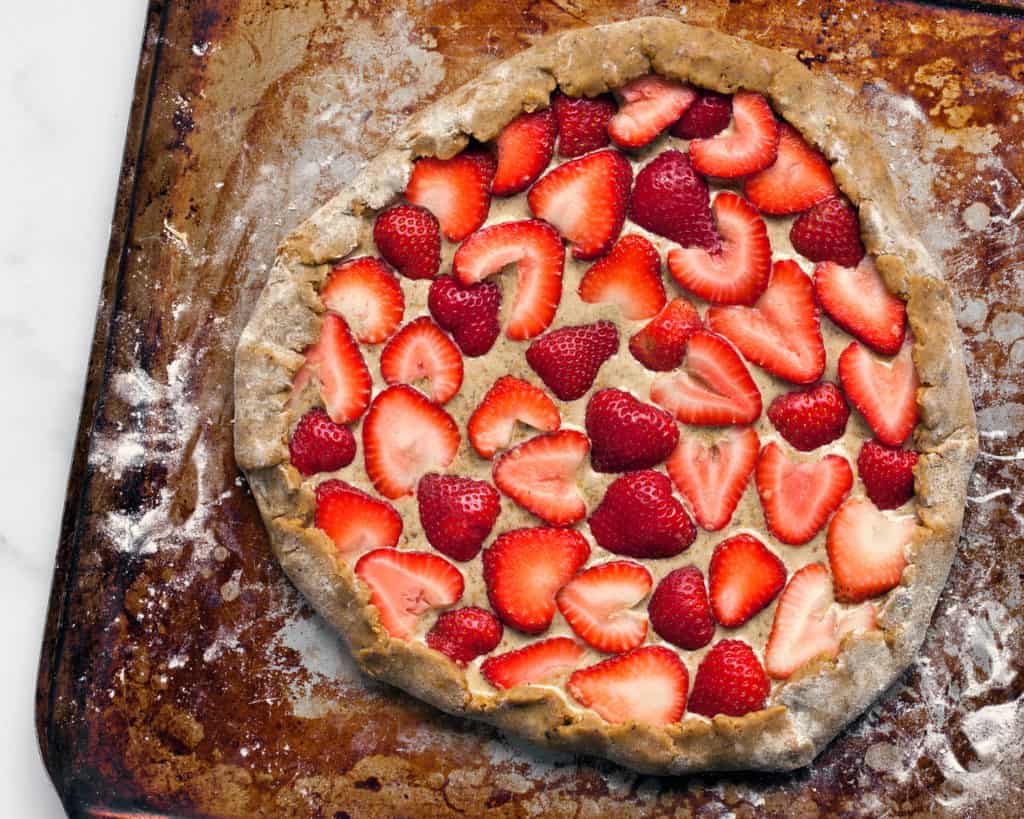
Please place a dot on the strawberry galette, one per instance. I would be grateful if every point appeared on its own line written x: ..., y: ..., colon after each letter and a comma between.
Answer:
x: 615, y: 405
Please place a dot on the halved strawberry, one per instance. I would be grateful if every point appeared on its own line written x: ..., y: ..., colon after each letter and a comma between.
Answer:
x: 884, y: 392
x: 403, y: 585
x: 569, y: 358
x: 738, y: 272
x: 420, y: 350
x: 409, y: 239
x: 828, y: 232
x: 661, y: 344
x: 338, y: 366
x: 540, y: 475
x: 524, y: 570
x: 857, y: 300
x: 640, y: 517
x: 457, y: 514
x: 464, y: 634
x: 457, y: 191
x: 647, y: 684
x: 525, y: 147
x: 709, y: 115
x: 508, y: 401
x: 405, y: 436
x: 811, y: 417
x: 799, y: 496
x: 713, y: 479
x: 744, y: 576
x: 320, y: 445
x: 780, y: 332
x: 599, y: 605
x: 586, y: 200
x: 799, y: 178
x: 729, y: 680
x: 680, y: 611
x: 536, y: 250
x: 866, y: 549
x: 354, y: 521
x: 805, y: 623
x: 470, y: 314
x: 712, y: 387
x: 649, y: 105
x: 367, y: 295
x: 629, y: 277
x: 582, y: 123
x: 543, y: 661
x: 671, y: 199
x: 749, y: 145
x: 627, y: 434
x: 887, y: 473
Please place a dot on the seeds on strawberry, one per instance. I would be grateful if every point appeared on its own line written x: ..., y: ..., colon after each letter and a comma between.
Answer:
x: 568, y: 359
x: 540, y: 662
x: 409, y: 239
x: 540, y: 475
x: 639, y: 517
x: 464, y: 634
x: 661, y: 344
x: 525, y: 147
x: 508, y: 402
x: 709, y: 115
x: 751, y: 144
x: 355, y: 521
x: 805, y: 623
x: 457, y: 191
x: 679, y: 609
x: 649, y: 105
x: 367, y: 295
x: 858, y: 301
x: 599, y: 605
x: 884, y: 392
x: 421, y: 351
x: 470, y: 314
x: 627, y: 434
x: 582, y: 123
x: 730, y: 680
x: 866, y: 550
x: 828, y: 232
x: 744, y: 577
x: 628, y: 277
x: 799, y: 178
x: 671, y: 199
x: 338, y: 366
x: 887, y: 473
x: 320, y: 445
x: 457, y: 514
x: 810, y: 418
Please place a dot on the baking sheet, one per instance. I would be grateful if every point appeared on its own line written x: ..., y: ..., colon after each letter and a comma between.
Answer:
x: 181, y: 674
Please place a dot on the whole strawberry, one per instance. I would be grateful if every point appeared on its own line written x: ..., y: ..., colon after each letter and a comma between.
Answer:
x: 887, y: 473
x: 567, y: 359
x: 730, y: 680
x: 457, y: 514
x: 627, y: 434
x: 409, y: 238
x: 679, y: 609
x: 470, y: 313
x: 640, y: 517
x: 582, y: 123
x: 828, y: 232
x: 708, y: 116
x: 671, y: 199
x: 810, y: 418
x: 320, y: 445
x: 464, y: 634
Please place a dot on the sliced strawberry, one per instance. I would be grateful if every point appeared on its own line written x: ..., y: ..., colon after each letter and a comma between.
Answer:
x: 582, y: 123
x: 828, y: 232
x: 628, y: 277
x: 540, y: 475
x: 543, y: 661
x: 887, y: 473
x: 858, y: 620
x: 457, y: 191
x: 525, y: 147
x: 737, y: 273
x: 409, y: 239
x: 810, y: 418
x: 404, y: 585
x: 457, y: 514
x: 671, y: 199
x: 536, y: 250
x: 799, y: 178
x: 464, y: 634
x: 866, y: 550
x: 744, y: 577
x: 750, y: 145
x: 367, y: 295
x: 680, y: 611
x: 569, y: 358
x: 649, y: 105
x: 707, y: 117
x: 508, y: 401
x: 805, y: 623
x: 320, y: 445
x: 712, y: 386
x: 640, y: 517
x: 661, y: 345
x: 599, y: 605
x: 524, y: 570
x: 586, y: 200
x: 339, y: 368
x: 627, y: 434
x: 405, y: 436
x: 420, y: 350
x: 798, y: 497
x: 730, y: 680
x: 470, y: 314
x: 355, y: 522
x: 713, y: 479
x: 884, y: 392
x: 857, y: 300
x: 647, y: 684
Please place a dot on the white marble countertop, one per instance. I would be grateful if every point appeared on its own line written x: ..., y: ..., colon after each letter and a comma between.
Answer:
x: 67, y: 74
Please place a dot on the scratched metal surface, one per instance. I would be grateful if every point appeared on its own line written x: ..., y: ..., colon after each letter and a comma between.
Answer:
x: 181, y: 675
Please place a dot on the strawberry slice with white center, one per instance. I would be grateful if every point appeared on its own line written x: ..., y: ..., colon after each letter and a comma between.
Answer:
x: 799, y: 178
x: 525, y: 147
x: 405, y: 436
x: 541, y: 662
x: 368, y: 296
x: 404, y: 585
x: 586, y: 200
x: 421, y: 350
x: 355, y: 521
x: 524, y: 570
x: 540, y: 475
x: 712, y: 386
x: 457, y: 191
x: 598, y: 604
x: 743, y: 577
x: 628, y: 277
x: 738, y: 272
x: 713, y: 479
x: 798, y: 497
x: 647, y: 684
x: 859, y: 620
x: 338, y: 366
x: 857, y: 300
x: 884, y: 392
x: 649, y: 105
x: 536, y: 250
x: 508, y: 402
x: 867, y: 549
x: 781, y: 331
x: 805, y: 623
x: 750, y: 144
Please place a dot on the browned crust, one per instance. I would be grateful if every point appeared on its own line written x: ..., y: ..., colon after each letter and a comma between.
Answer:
x: 813, y: 706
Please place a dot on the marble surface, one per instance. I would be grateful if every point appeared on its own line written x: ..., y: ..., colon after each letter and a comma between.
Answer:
x: 66, y: 77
